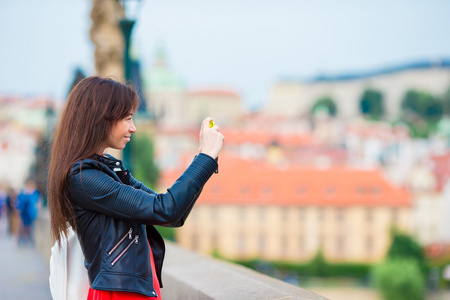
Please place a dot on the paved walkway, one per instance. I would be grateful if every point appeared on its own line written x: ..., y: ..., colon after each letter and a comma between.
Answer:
x: 23, y: 272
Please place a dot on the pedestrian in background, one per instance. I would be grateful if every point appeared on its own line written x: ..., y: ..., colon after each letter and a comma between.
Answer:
x: 11, y: 211
x: 111, y: 212
x: 27, y: 203
x: 3, y: 196
x: 2, y: 199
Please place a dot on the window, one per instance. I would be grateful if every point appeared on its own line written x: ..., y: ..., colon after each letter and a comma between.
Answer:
x: 371, y: 190
x: 330, y: 190
x: 360, y: 190
x: 242, y: 213
x: 321, y: 214
x: 321, y: 240
x: 376, y: 190
x: 301, y: 190
x: 215, y: 189
x: 301, y: 244
x: 284, y: 245
x: 284, y: 214
x: 302, y: 213
x: 369, y: 214
x: 194, y: 216
x: 245, y: 189
x: 241, y: 244
x: 214, y: 242
x: 262, y: 213
x: 340, y: 245
x: 213, y: 213
x: 394, y: 214
x: 266, y: 190
x: 195, y: 242
x: 340, y: 214
x: 369, y: 244
x: 262, y: 244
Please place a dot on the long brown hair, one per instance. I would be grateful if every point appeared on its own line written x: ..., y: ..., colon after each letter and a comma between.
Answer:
x: 92, y: 108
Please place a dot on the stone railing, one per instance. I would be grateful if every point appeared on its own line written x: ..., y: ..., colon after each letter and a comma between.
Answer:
x: 189, y: 275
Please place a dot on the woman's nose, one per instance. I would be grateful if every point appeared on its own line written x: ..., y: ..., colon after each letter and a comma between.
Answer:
x: 132, y: 128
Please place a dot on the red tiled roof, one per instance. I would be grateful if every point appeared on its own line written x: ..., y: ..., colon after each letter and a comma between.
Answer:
x: 437, y: 251
x: 240, y: 136
x: 41, y: 103
x: 214, y: 93
x: 244, y: 182
x: 379, y: 130
x: 441, y: 169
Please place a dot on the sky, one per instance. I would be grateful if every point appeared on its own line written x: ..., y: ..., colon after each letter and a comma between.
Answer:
x: 246, y: 46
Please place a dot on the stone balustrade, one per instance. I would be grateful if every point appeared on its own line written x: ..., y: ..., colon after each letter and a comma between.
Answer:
x: 189, y: 275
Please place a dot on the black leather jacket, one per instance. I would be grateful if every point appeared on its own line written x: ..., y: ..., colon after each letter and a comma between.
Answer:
x: 115, y: 213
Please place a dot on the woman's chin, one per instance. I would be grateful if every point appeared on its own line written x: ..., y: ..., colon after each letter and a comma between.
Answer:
x: 117, y: 148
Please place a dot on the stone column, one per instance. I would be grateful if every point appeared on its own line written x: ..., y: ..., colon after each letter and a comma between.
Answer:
x: 107, y: 37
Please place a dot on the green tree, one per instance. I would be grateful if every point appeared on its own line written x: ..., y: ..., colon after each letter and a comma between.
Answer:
x: 421, y: 112
x: 422, y: 104
x: 403, y: 246
x: 399, y: 279
x: 327, y: 104
x: 143, y: 162
x: 39, y: 168
x: 445, y: 100
x: 166, y: 232
x: 318, y: 265
x: 372, y: 104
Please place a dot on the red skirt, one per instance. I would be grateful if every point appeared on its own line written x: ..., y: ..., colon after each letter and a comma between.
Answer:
x: 113, y: 295
x: 116, y: 295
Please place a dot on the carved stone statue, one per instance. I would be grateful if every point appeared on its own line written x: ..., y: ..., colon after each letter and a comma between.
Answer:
x: 107, y: 37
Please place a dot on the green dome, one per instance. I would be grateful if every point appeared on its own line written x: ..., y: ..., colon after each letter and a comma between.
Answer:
x: 443, y: 127
x: 160, y: 77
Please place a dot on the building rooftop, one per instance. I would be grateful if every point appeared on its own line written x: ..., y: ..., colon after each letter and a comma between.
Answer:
x: 242, y: 182
x: 214, y: 92
x: 441, y: 169
x: 241, y: 136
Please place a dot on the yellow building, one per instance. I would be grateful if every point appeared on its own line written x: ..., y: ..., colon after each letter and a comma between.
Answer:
x: 252, y: 210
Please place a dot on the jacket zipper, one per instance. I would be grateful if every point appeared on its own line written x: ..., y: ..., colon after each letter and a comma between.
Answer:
x: 134, y: 241
x: 121, y: 240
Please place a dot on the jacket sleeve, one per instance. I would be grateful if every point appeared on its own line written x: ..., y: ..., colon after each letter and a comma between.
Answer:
x: 97, y: 191
x: 180, y: 222
x: 139, y: 185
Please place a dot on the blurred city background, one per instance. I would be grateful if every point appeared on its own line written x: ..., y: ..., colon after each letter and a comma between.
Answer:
x: 335, y: 172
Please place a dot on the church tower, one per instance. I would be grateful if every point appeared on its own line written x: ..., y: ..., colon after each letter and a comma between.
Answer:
x: 166, y: 91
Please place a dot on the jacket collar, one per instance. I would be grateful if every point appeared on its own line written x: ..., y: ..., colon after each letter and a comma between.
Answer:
x: 108, y: 160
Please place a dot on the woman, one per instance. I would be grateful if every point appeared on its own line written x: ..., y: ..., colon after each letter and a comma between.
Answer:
x: 112, y: 213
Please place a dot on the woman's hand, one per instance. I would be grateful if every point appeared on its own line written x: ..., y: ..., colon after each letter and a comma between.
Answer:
x: 211, y: 140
